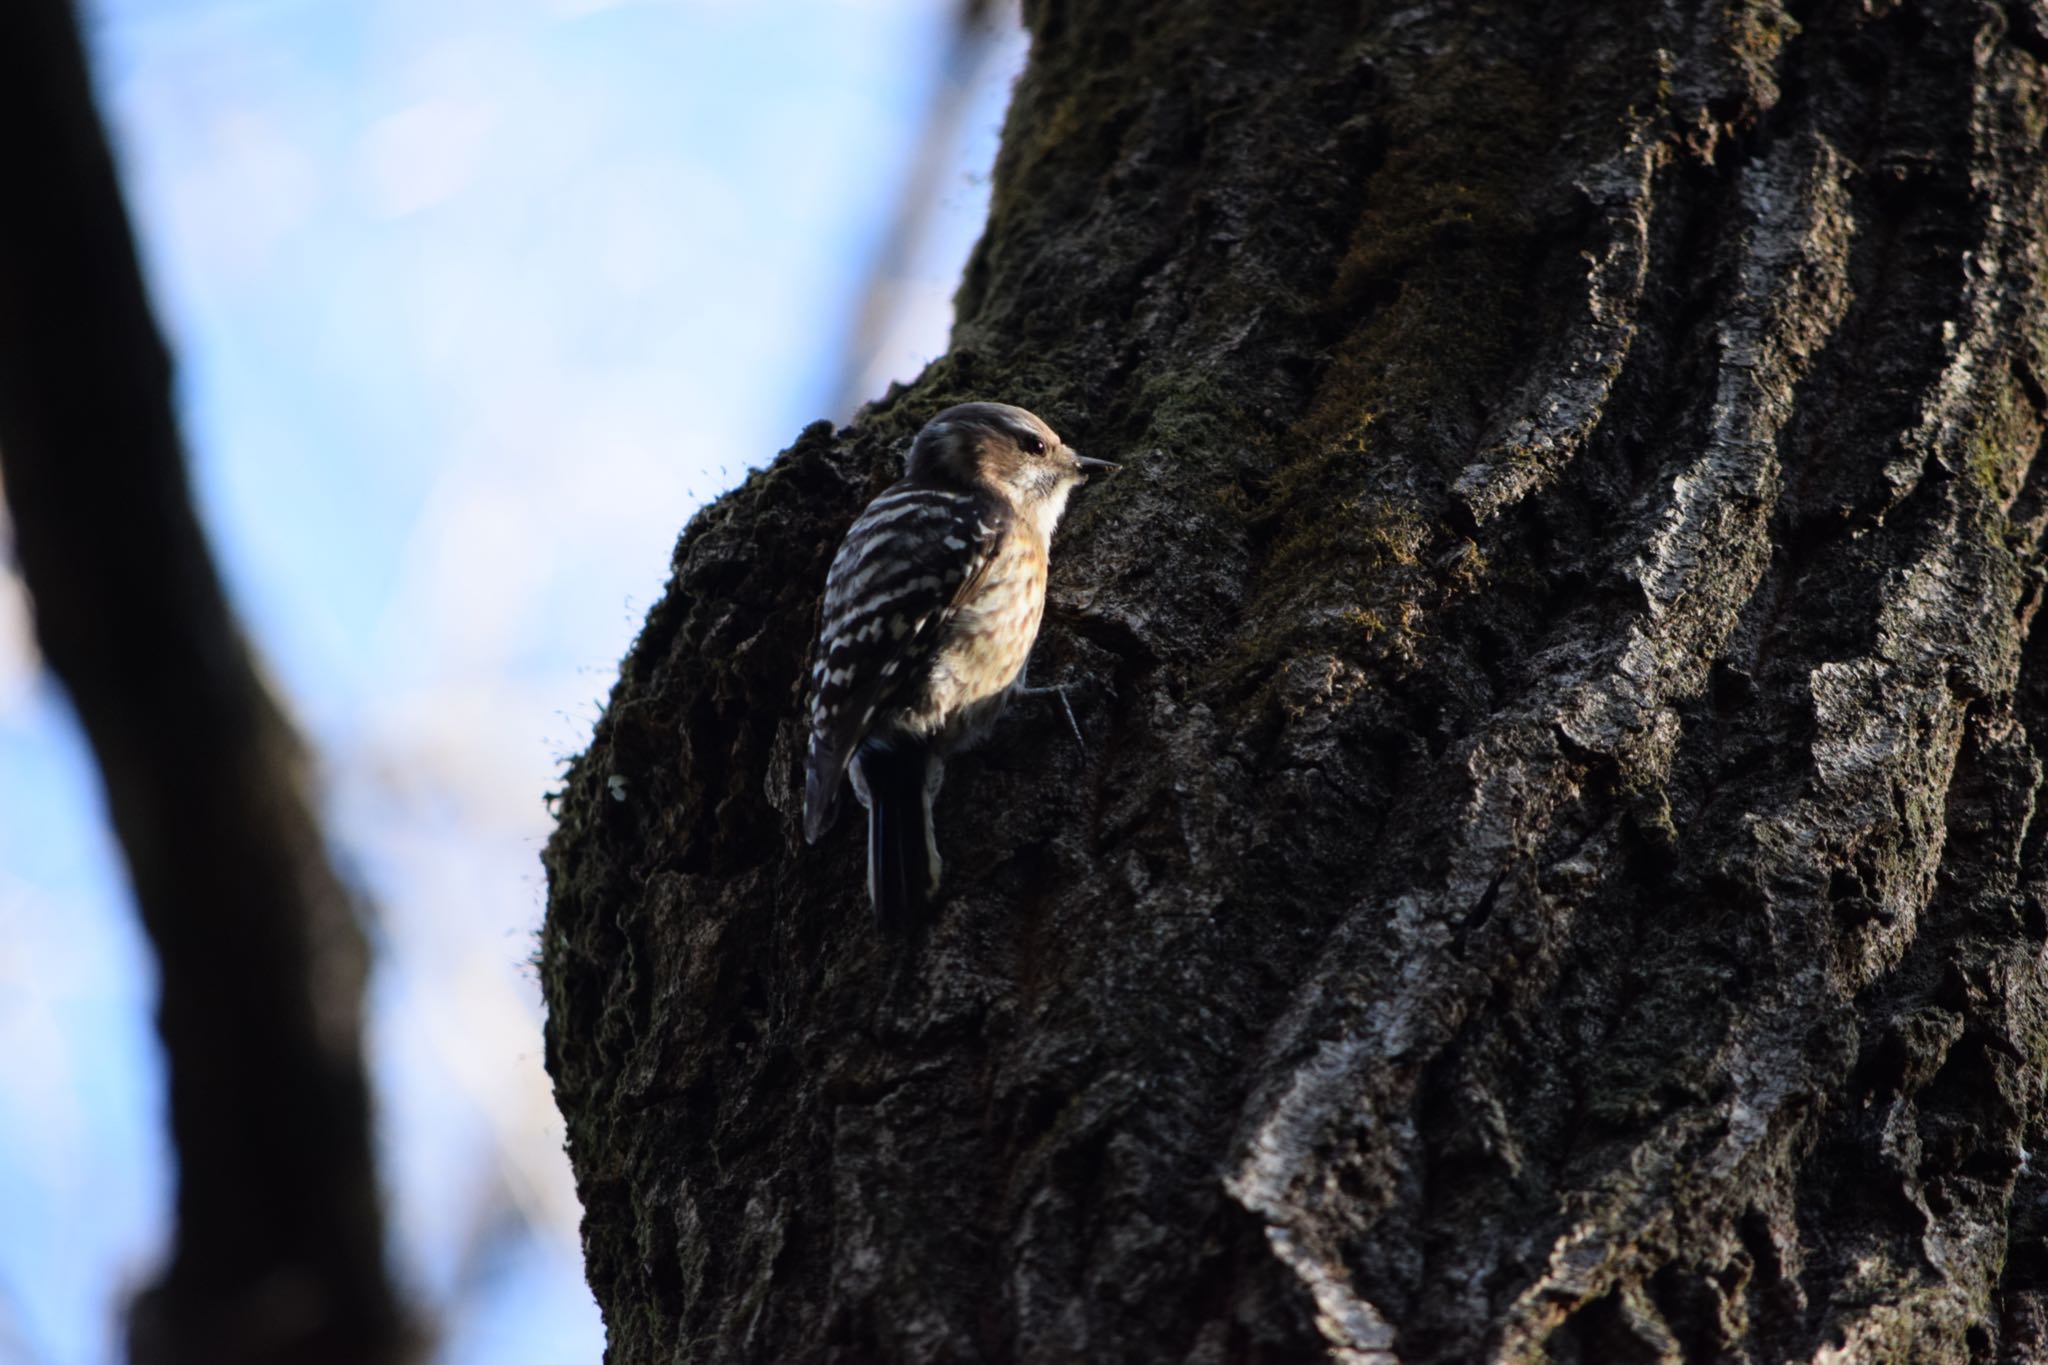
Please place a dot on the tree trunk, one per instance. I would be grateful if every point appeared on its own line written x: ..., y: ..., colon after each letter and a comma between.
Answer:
x: 1552, y: 872
x: 278, y: 1254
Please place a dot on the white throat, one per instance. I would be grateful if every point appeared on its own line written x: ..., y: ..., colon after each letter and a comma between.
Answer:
x: 1045, y: 513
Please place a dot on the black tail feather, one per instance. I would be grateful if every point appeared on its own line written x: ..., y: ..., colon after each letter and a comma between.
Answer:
x: 899, y: 870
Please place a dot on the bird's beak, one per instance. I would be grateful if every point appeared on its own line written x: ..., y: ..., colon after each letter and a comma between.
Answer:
x: 1089, y: 465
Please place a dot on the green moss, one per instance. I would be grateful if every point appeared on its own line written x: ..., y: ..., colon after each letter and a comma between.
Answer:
x: 1070, y: 115
x: 1375, y: 626
x: 1438, y: 271
x: 1758, y: 31
x: 1999, y: 448
x: 1375, y: 535
x: 1430, y: 306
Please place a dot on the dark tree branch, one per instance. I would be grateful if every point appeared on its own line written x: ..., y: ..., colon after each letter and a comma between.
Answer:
x: 1555, y: 875
x: 278, y: 1254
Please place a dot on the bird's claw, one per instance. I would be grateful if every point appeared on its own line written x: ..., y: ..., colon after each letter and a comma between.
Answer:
x: 1059, y: 690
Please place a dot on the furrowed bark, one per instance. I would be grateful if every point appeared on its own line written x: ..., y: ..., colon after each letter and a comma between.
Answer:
x: 278, y: 1255
x: 1553, y: 873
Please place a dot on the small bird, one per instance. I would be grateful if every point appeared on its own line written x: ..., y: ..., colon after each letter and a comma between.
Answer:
x: 931, y: 608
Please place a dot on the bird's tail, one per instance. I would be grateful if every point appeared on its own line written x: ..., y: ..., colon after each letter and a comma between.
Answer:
x: 901, y: 873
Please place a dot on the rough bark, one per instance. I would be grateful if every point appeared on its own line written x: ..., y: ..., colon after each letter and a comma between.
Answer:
x: 278, y: 1255
x: 1553, y: 871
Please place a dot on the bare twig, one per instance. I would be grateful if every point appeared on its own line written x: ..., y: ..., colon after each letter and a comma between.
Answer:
x: 968, y: 48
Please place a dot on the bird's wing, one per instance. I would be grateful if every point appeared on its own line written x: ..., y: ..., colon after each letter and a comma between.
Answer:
x: 904, y: 568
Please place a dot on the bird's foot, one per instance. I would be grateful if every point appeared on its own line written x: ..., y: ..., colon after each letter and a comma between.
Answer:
x: 1060, y: 691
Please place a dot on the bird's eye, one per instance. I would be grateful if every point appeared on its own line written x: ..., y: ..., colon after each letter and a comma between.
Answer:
x: 1032, y: 444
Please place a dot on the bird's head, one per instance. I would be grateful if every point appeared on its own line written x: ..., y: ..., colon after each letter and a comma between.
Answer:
x: 998, y: 446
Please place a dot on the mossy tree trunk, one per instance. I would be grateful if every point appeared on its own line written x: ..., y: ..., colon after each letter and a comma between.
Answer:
x: 1552, y: 873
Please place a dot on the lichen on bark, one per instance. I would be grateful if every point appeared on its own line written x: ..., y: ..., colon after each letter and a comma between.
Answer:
x: 1551, y: 872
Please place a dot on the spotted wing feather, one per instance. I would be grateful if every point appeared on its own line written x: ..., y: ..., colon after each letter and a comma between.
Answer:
x: 899, y: 576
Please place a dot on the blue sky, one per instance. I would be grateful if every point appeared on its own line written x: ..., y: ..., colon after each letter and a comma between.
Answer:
x: 473, y: 304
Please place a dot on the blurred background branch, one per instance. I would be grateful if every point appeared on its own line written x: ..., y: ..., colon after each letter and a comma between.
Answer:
x: 278, y: 1249
x: 972, y: 44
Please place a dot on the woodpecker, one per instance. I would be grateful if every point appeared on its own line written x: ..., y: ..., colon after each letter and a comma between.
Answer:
x: 931, y: 608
